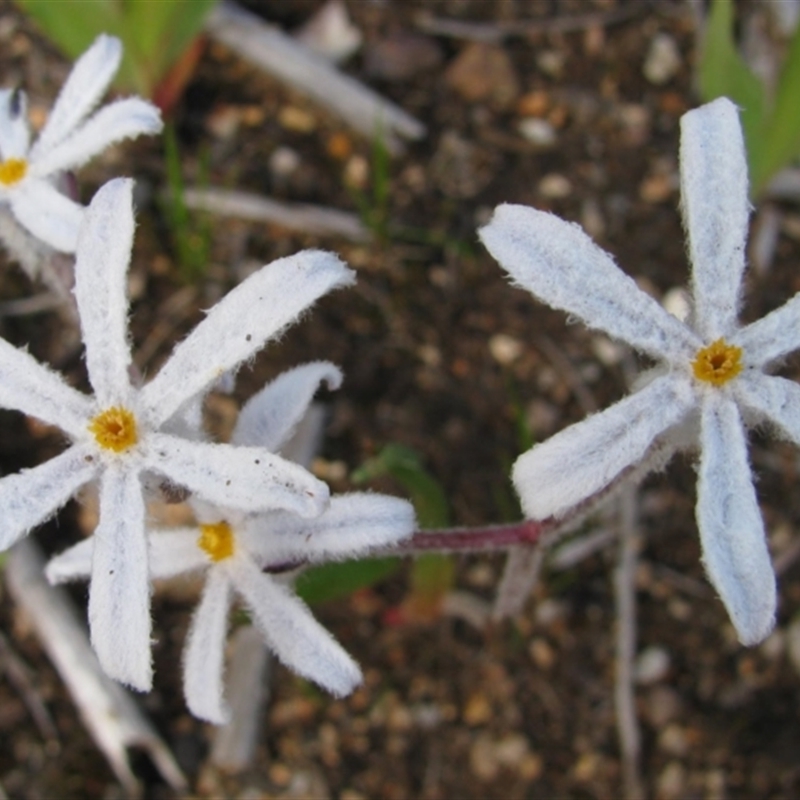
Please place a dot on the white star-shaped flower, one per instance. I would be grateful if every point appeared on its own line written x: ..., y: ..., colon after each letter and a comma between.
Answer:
x: 713, y: 370
x: 232, y: 548
x: 122, y: 433
x: 67, y: 141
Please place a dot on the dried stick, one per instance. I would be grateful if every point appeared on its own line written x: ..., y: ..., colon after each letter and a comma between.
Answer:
x: 495, y: 32
x: 784, y: 186
x: 248, y: 691
x: 624, y: 695
x: 18, y: 676
x: 295, y: 216
x: 26, y: 306
x: 278, y: 54
x: 520, y: 574
x: 108, y: 711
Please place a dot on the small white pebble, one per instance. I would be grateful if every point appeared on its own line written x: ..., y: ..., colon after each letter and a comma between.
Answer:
x: 676, y: 301
x: 283, y: 161
x: 538, y: 131
x: 652, y: 665
x: 551, y: 62
x: 555, y: 186
x: 607, y: 352
x: 505, y: 349
x: 663, y: 59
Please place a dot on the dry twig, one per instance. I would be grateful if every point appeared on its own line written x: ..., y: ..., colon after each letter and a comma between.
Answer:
x: 496, y: 32
x: 247, y: 681
x: 304, y: 217
x: 624, y: 694
x: 112, y: 717
x: 281, y: 56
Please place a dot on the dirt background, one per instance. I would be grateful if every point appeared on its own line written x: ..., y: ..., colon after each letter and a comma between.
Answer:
x: 442, y: 355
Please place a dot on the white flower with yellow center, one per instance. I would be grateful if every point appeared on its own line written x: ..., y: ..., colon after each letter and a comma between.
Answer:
x: 67, y: 141
x: 233, y: 548
x: 123, y: 433
x: 713, y: 368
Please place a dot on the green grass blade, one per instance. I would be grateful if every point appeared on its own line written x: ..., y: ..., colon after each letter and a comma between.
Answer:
x: 781, y: 131
x: 330, y: 581
x: 722, y: 72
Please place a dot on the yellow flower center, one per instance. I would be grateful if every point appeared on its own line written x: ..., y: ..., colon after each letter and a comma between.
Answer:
x: 12, y: 171
x: 718, y: 363
x: 216, y: 540
x: 115, y: 429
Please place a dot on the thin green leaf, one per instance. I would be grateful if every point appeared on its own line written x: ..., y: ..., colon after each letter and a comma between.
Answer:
x: 405, y: 466
x: 329, y: 581
x: 781, y: 130
x: 722, y: 72
x: 154, y: 34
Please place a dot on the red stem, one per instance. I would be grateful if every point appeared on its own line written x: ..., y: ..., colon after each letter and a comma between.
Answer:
x: 491, y: 537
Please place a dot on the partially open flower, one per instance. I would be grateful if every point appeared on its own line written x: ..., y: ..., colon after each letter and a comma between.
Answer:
x: 123, y: 433
x: 232, y: 548
x: 68, y: 140
x: 713, y: 369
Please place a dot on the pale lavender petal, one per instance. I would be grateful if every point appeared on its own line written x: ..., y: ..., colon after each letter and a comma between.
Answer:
x: 583, y: 459
x: 771, y: 337
x: 123, y: 119
x: 49, y: 215
x: 716, y: 208
x: 352, y: 526
x: 204, y: 655
x: 30, y: 497
x: 246, y: 478
x: 732, y: 534
x: 269, y: 418
x: 101, y: 268
x: 86, y: 84
x: 30, y: 387
x: 560, y: 265
x: 175, y: 552
x: 14, y: 131
x: 296, y: 638
x: 773, y: 400
x: 74, y: 564
x: 257, y: 310
x: 119, y: 594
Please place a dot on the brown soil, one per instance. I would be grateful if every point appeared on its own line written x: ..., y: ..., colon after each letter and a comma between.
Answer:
x: 525, y: 708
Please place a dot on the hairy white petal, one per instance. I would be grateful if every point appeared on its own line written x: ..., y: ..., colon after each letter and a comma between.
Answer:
x: 175, y: 552
x: 28, y: 386
x: 731, y: 529
x: 269, y: 417
x: 204, y: 654
x: 14, y: 131
x: 86, y: 84
x: 123, y: 119
x: 775, y: 400
x: 29, y: 497
x: 559, y: 264
x: 257, y: 310
x: 119, y: 594
x: 74, y: 564
x: 353, y: 525
x: 583, y: 459
x: 47, y: 214
x: 298, y: 640
x: 771, y: 337
x: 247, y: 478
x: 101, y: 267
x: 713, y: 166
